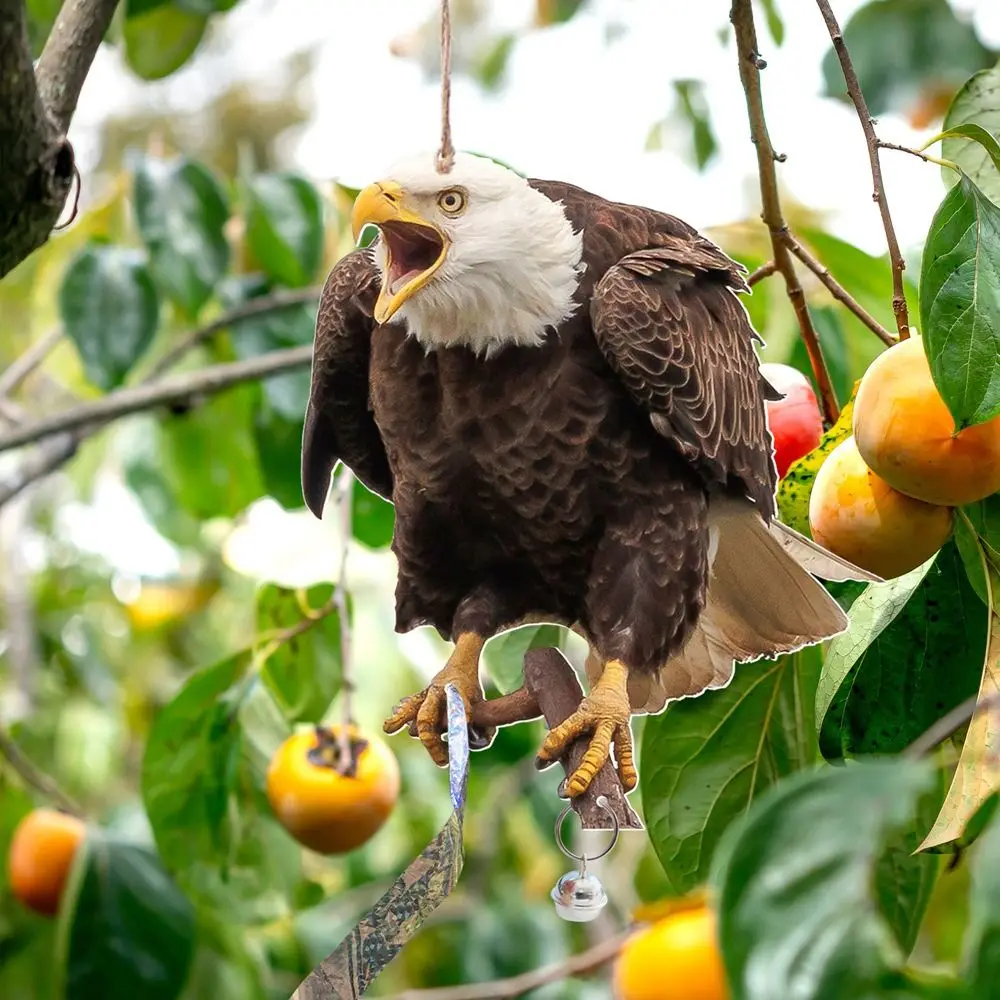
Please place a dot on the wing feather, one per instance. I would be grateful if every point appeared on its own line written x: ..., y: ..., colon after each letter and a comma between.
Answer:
x: 669, y: 322
x: 339, y: 423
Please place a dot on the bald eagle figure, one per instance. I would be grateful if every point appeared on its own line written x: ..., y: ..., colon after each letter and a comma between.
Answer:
x: 560, y: 396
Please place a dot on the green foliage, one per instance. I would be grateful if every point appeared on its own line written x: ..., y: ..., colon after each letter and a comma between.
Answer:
x: 694, y: 109
x: 978, y: 101
x: 126, y: 928
x: 960, y: 303
x: 181, y: 210
x: 814, y: 928
x: 884, y: 679
x: 285, y: 227
x: 899, y: 46
x: 983, y: 943
x: 160, y: 38
x: 706, y: 759
x: 372, y: 518
x: 504, y: 655
x: 110, y: 309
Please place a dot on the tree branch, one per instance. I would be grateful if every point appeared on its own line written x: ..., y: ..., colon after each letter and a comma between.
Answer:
x: 68, y: 53
x: 840, y: 293
x: 180, y: 389
x: 36, y: 160
x: 23, y: 366
x: 950, y: 723
x: 762, y: 272
x: 33, y: 776
x: 872, y: 142
x: 750, y: 62
x: 504, y: 989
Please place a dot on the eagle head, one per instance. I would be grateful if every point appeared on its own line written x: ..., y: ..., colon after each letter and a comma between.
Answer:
x: 475, y: 257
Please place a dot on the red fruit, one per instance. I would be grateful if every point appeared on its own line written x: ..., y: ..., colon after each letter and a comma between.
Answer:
x: 795, y: 421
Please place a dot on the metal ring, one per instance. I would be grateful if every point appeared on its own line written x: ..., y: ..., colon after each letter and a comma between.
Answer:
x: 603, y: 803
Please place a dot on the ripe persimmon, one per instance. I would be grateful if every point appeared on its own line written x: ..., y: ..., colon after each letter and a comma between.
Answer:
x: 857, y: 515
x: 795, y: 422
x: 41, y: 855
x: 677, y: 958
x: 323, y: 809
x: 906, y: 434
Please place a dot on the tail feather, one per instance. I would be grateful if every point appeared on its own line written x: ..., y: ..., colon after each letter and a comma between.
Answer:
x: 761, y: 601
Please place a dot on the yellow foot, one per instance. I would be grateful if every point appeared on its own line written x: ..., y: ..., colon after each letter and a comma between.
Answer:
x: 425, y: 713
x: 605, y: 713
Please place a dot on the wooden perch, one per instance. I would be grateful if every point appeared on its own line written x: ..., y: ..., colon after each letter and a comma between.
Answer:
x: 552, y: 691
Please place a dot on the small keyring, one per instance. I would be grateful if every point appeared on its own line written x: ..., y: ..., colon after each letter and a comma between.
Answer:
x: 603, y: 803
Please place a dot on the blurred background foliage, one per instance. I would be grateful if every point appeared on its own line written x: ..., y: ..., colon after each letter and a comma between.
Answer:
x: 148, y: 555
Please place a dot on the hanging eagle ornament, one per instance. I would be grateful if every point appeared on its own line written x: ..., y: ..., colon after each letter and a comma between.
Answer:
x: 560, y: 396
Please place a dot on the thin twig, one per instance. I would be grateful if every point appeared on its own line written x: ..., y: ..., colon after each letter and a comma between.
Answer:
x: 950, y: 723
x: 264, y: 305
x: 871, y: 141
x: 446, y: 155
x: 504, y: 989
x: 840, y: 293
x: 179, y: 389
x: 53, y: 454
x: 926, y: 157
x: 23, y: 366
x: 762, y: 272
x: 33, y: 776
x: 750, y: 62
x: 345, y: 496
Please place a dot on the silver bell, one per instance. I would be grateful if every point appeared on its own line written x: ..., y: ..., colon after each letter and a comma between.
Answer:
x: 579, y: 896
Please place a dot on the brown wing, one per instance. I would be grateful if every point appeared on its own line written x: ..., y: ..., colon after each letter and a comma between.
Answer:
x: 668, y: 320
x: 339, y: 422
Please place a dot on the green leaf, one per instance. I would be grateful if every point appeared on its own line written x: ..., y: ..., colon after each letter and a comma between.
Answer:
x: 109, y: 307
x: 706, y: 759
x: 161, y: 39
x: 372, y: 518
x: 694, y: 110
x: 960, y: 303
x: 874, y: 609
x: 923, y: 663
x: 279, y: 444
x: 796, y: 884
x: 504, y: 654
x: 304, y: 673
x: 977, y: 101
x: 209, y: 456
x: 41, y: 16
x: 982, y: 941
x: 796, y: 487
x: 285, y: 227
x: 129, y: 930
x: 975, y: 132
x: 905, y: 879
x: 182, y: 210
x: 898, y: 47
x: 202, y: 786
x: 775, y: 25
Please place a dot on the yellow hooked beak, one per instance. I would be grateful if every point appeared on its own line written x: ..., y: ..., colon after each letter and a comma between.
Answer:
x: 414, y: 247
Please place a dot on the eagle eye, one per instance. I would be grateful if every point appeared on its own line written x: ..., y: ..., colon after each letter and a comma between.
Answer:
x: 452, y: 201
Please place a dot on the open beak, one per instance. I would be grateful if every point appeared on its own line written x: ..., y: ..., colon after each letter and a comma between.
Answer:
x: 414, y: 247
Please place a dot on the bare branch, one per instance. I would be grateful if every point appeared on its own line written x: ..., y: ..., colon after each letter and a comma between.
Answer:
x: 179, y: 389
x: 504, y: 989
x: 926, y: 157
x: 872, y: 142
x: 23, y: 366
x: 750, y: 62
x: 33, y: 776
x: 762, y: 272
x: 45, y: 459
x: 68, y: 53
x: 840, y: 293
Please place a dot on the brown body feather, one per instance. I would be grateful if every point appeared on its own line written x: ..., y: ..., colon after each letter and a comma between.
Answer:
x: 570, y: 481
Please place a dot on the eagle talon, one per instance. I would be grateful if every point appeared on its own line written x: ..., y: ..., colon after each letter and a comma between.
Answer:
x: 605, y: 713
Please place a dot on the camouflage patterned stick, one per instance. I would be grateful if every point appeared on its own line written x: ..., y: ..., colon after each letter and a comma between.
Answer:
x: 396, y: 917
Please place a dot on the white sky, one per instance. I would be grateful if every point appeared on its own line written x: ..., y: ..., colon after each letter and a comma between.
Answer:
x: 575, y: 108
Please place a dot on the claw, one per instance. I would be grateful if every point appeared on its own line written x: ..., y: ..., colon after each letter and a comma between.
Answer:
x: 424, y: 714
x: 606, y: 714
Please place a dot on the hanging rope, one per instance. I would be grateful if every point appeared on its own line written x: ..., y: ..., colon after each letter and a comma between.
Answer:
x: 446, y: 154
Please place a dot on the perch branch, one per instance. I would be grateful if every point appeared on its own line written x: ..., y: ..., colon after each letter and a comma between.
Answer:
x: 22, y: 367
x: 840, y: 293
x: 33, y: 776
x: 872, y: 142
x: 750, y: 63
x: 68, y: 53
x: 179, y: 389
x: 505, y: 989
